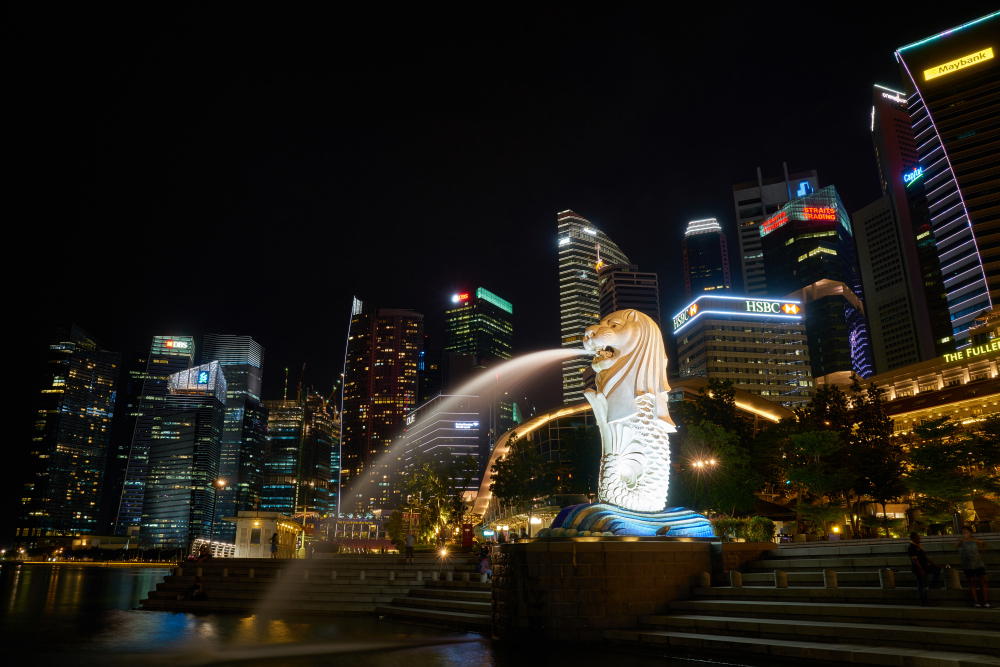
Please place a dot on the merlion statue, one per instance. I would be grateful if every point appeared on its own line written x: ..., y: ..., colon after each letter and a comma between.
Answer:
x: 631, y: 408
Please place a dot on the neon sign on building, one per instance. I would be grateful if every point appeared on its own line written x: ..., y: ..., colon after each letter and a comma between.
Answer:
x: 913, y: 175
x: 953, y: 66
x: 819, y: 213
x: 774, y: 222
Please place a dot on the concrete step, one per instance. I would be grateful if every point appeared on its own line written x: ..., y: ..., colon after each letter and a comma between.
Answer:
x: 891, y: 614
x: 876, y: 634
x: 474, y: 585
x: 284, y: 596
x: 899, y: 561
x: 450, y: 618
x: 782, y: 650
x: 844, y: 594
x: 440, y: 603
x: 932, y: 545
x: 904, y: 578
x: 477, y: 595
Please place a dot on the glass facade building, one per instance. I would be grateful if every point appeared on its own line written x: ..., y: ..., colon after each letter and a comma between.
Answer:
x: 583, y: 251
x: 706, y: 258
x: 167, y: 355
x: 623, y: 286
x: 756, y: 200
x: 70, y: 439
x: 954, y: 107
x: 299, y: 477
x: 810, y: 256
x: 380, y: 388
x: 244, y: 433
x: 180, y: 491
x: 758, y: 344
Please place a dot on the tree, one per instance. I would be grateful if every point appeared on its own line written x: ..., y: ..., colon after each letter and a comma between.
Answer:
x: 435, y: 488
x: 715, y: 470
x: 877, y: 455
x: 580, y: 450
x: 522, y: 475
x: 948, y: 467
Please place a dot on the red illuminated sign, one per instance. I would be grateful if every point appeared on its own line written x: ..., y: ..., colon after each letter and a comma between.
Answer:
x: 464, y: 296
x: 774, y: 222
x: 819, y: 213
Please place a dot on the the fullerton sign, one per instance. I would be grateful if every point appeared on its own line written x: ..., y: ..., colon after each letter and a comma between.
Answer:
x: 951, y: 66
x: 973, y: 352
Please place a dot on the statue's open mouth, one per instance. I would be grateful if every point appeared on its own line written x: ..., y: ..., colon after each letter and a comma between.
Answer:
x: 603, y: 358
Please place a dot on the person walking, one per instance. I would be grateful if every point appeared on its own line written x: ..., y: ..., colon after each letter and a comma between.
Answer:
x: 923, y: 567
x: 974, y: 567
x: 274, y: 545
x: 411, y: 541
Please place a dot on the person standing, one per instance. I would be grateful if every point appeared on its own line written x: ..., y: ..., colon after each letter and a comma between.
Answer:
x: 274, y: 545
x: 974, y: 567
x: 923, y: 567
x: 410, y: 543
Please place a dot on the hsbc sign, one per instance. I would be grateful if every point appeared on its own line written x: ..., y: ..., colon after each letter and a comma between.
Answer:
x: 763, y: 307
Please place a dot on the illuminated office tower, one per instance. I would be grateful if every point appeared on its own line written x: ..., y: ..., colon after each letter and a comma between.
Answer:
x: 583, y: 250
x: 756, y: 200
x: 622, y: 286
x: 449, y: 428
x: 245, y: 430
x: 955, y: 114
x: 70, y: 439
x: 167, y: 355
x: 904, y: 246
x: 810, y: 256
x: 298, y: 474
x: 758, y: 344
x: 181, y: 491
x: 380, y: 389
x: 706, y: 258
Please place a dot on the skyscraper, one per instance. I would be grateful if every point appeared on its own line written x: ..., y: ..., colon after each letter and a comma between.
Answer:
x: 706, y: 258
x: 380, y: 389
x: 583, y: 250
x: 809, y: 255
x: 478, y: 328
x: 302, y: 434
x: 245, y: 430
x: 908, y: 243
x: 756, y: 200
x: 758, y: 344
x: 181, y: 491
x: 955, y: 113
x: 622, y: 286
x: 70, y: 439
x: 167, y: 355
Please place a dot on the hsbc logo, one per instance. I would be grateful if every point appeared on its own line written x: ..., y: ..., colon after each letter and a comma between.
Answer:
x: 763, y: 307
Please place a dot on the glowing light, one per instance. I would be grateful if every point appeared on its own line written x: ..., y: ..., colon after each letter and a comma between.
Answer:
x: 949, y: 31
x: 490, y: 297
x: 705, y: 226
x: 777, y: 220
x: 805, y: 188
x: 913, y: 175
x: 443, y: 553
x: 693, y: 310
x: 819, y: 213
x: 564, y: 241
x: 458, y: 298
x: 589, y: 230
x: 952, y: 66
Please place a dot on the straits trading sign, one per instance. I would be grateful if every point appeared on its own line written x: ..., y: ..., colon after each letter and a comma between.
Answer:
x: 952, y: 66
x: 973, y: 352
x: 738, y: 305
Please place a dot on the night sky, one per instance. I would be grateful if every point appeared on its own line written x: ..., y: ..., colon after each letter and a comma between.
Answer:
x: 246, y: 171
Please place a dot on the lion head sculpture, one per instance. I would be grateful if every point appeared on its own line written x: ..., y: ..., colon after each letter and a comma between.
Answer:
x: 630, y: 361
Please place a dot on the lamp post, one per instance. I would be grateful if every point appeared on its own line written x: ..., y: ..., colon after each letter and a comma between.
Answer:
x: 219, y: 485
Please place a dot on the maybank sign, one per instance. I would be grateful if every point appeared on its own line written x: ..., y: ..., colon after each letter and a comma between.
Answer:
x: 974, y: 351
x: 951, y: 66
x: 737, y: 306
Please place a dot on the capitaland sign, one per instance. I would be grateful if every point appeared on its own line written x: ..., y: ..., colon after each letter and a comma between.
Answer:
x: 952, y: 66
x: 973, y: 352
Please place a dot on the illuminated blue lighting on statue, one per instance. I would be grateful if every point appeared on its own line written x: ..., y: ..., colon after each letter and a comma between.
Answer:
x: 913, y: 176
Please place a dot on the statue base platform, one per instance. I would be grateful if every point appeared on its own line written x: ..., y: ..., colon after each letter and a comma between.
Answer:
x: 603, y: 519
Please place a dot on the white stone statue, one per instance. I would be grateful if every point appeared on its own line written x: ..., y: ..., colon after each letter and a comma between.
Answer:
x: 630, y: 406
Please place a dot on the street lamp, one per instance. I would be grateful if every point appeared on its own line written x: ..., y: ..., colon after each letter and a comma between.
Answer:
x: 219, y: 485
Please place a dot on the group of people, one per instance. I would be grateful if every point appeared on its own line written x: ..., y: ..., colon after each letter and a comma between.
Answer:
x: 928, y: 573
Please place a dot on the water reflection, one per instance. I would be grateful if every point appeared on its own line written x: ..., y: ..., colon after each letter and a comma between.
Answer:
x: 77, y: 615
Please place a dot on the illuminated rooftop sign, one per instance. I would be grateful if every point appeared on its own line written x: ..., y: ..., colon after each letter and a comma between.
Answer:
x: 819, y: 213
x: 486, y: 295
x: 461, y: 297
x: 805, y: 188
x: 952, y: 66
x: 777, y: 220
x: 913, y: 175
x: 744, y: 306
x: 466, y: 426
x: 973, y: 352
x: 177, y: 344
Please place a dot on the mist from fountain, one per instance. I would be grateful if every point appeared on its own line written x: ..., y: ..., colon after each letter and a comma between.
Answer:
x: 491, y: 383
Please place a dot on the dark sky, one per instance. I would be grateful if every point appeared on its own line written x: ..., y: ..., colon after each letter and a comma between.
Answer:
x: 248, y: 170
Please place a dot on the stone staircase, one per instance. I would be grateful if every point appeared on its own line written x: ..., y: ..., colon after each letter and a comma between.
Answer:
x: 340, y: 584
x: 839, y: 606
x: 461, y: 604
